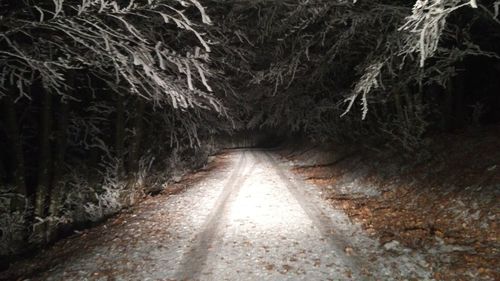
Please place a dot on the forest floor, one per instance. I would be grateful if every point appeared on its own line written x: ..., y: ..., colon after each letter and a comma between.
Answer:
x: 245, y: 216
x: 445, y: 209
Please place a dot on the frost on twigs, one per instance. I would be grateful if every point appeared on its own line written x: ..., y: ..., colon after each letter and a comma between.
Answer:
x: 121, y: 43
x: 426, y: 24
x: 109, y: 195
x: 93, y: 202
x: 12, y: 223
x: 369, y: 81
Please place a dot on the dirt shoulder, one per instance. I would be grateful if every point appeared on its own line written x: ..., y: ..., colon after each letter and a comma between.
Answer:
x: 446, y: 207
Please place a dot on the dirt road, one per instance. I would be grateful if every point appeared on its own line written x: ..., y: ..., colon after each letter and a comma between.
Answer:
x: 252, y: 220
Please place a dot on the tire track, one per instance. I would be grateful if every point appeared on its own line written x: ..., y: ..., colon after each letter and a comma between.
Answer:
x: 322, y: 222
x: 194, y: 259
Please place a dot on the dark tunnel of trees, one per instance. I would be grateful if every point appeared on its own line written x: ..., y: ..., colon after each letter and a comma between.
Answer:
x: 105, y: 100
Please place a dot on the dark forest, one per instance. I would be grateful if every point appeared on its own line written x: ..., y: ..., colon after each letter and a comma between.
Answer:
x: 106, y: 104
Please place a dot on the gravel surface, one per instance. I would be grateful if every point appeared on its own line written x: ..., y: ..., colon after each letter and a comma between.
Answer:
x: 251, y: 220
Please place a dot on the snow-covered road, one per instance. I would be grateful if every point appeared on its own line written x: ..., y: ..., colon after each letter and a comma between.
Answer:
x: 263, y: 228
x: 252, y: 220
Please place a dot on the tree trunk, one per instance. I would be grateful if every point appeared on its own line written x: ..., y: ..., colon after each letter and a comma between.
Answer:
x: 120, y: 131
x: 399, y: 106
x: 16, y: 143
x: 137, y: 138
x: 410, y: 103
x: 58, y: 192
x: 44, y: 157
x: 459, y: 109
x: 3, y: 169
x: 447, y: 110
